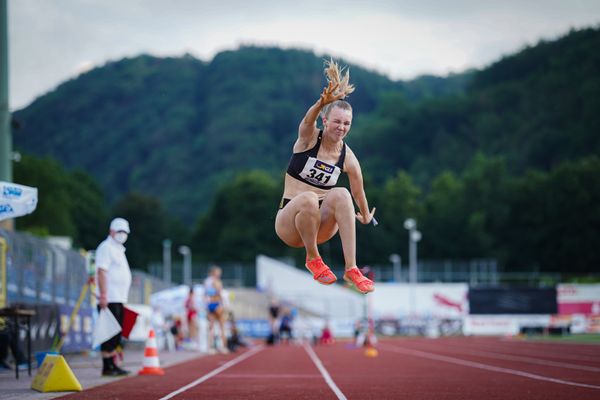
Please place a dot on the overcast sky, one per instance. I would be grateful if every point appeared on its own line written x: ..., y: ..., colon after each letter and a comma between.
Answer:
x: 51, y: 41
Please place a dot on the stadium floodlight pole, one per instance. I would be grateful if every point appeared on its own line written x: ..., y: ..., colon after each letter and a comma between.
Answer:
x: 413, y: 237
x: 6, y: 155
x: 5, y: 135
x: 167, y: 260
x: 396, y: 261
x: 187, y: 264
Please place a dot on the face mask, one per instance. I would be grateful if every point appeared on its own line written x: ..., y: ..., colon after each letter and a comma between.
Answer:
x: 121, y: 237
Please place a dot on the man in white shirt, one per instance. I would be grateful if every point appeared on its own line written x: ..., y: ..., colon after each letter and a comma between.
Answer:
x: 114, y: 279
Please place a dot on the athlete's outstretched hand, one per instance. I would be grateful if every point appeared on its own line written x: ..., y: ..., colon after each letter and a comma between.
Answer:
x: 365, y: 219
x: 329, y: 95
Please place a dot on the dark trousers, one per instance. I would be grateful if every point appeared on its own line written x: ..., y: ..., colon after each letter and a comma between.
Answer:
x: 7, y: 340
x: 111, y: 344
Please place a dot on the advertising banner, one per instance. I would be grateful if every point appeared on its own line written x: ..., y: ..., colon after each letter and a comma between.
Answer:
x: 425, y: 300
x: 79, y: 335
x: 512, y: 301
x: 579, y: 299
x: 581, y: 302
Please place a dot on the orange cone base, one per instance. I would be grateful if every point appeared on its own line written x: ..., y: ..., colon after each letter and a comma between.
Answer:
x: 151, y: 371
x: 371, y: 352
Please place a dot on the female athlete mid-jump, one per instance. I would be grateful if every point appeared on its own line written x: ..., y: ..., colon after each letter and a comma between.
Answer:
x: 313, y: 209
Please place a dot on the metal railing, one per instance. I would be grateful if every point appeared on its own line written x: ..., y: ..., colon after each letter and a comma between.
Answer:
x: 38, y: 272
x: 234, y: 274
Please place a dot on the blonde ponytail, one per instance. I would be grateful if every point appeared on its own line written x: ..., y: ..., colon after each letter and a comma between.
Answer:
x: 336, y: 76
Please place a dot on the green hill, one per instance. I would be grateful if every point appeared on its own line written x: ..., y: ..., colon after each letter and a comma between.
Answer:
x: 536, y: 109
x: 179, y: 128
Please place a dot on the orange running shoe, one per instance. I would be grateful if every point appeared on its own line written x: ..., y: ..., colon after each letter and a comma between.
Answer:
x: 321, y: 272
x: 355, y: 277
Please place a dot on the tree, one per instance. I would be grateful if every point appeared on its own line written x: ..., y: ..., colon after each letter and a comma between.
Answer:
x: 444, y: 221
x: 485, y: 184
x: 69, y: 204
x: 148, y: 224
x: 88, y: 209
x: 240, y: 223
x: 556, y: 219
x: 399, y: 201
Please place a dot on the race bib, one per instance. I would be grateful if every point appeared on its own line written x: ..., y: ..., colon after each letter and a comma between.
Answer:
x: 319, y: 173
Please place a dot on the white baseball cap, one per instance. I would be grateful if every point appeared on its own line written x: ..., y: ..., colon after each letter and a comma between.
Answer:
x: 119, y: 224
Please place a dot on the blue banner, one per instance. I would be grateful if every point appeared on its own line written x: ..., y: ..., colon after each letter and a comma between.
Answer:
x: 255, y: 328
x: 79, y: 336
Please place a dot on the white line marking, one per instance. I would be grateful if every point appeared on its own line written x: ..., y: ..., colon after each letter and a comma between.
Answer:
x: 534, y: 351
x: 330, y: 382
x: 271, y: 376
x: 437, y: 357
x: 214, y: 372
x: 510, y: 357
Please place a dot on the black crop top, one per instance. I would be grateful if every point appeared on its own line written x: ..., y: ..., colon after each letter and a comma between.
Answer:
x: 307, y: 168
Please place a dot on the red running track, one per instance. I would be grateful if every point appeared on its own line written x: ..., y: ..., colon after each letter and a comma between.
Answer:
x: 411, y: 368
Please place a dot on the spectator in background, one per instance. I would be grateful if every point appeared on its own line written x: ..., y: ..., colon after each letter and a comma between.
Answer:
x: 285, y: 327
x: 360, y: 332
x: 273, y: 321
x: 164, y: 339
x: 7, y: 340
x: 114, y: 279
x: 235, y: 339
x: 177, y: 332
x: 192, y: 316
x: 326, y: 335
x: 215, y: 309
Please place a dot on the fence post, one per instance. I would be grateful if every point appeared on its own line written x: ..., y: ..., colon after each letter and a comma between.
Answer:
x: 3, y: 248
x: 147, y: 290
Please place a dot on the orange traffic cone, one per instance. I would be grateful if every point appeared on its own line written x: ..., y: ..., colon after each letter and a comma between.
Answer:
x: 150, y: 365
x: 371, y: 351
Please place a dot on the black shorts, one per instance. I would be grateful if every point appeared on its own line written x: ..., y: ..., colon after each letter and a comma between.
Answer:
x: 284, y: 202
x: 285, y: 331
x: 112, y: 343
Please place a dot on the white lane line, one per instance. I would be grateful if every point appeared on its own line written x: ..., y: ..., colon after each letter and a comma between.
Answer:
x: 540, y: 361
x: 319, y: 364
x: 437, y: 357
x: 270, y: 376
x: 522, y: 348
x: 214, y: 372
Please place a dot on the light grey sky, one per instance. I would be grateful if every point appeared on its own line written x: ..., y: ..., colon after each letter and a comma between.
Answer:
x: 51, y: 41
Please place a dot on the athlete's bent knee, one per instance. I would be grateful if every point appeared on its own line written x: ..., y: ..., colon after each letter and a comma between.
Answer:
x: 308, y: 201
x: 340, y: 194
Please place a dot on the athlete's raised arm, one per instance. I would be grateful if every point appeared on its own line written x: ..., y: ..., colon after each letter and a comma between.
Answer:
x: 338, y: 87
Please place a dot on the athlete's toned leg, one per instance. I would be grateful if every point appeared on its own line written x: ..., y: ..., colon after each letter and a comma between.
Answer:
x: 297, y: 224
x: 211, y: 331
x: 221, y: 319
x: 337, y: 212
